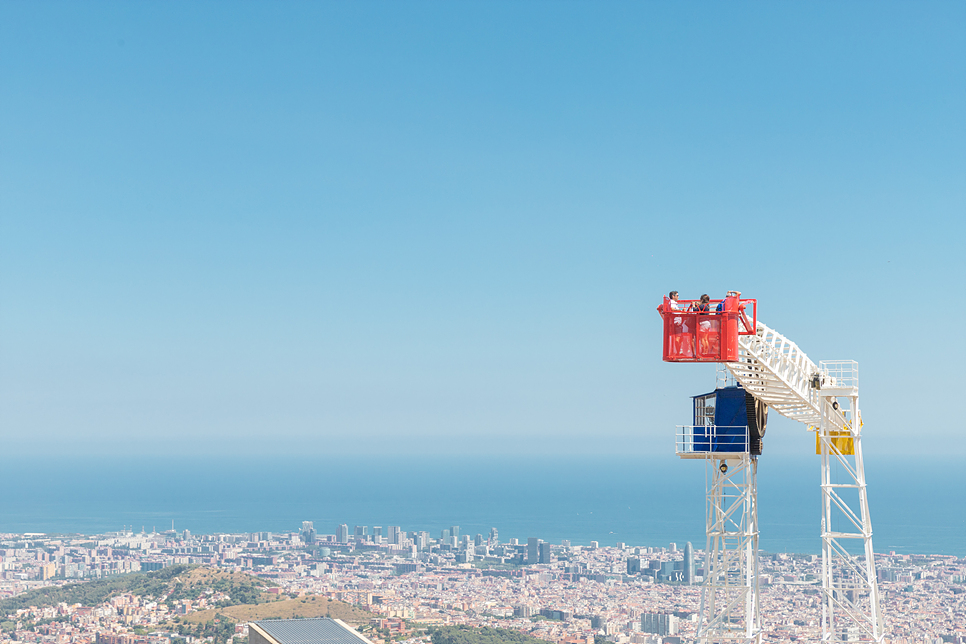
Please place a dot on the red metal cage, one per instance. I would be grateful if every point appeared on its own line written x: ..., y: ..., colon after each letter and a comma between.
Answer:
x: 692, y: 335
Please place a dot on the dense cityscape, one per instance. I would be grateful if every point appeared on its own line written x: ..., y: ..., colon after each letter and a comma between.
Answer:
x: 405, y: 581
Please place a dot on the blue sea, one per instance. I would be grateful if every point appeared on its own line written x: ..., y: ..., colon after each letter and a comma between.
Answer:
x: 647, y: 501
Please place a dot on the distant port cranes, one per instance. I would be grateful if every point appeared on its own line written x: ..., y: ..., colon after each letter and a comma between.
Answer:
x: 769, y: 371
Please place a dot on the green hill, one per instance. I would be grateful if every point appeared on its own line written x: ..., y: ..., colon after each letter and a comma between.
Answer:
x: 463, y: 634
x: 175, y: 582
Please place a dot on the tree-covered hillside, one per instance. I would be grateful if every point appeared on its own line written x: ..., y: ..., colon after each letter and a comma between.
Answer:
x: 471, y: 635
x: 174, y: 583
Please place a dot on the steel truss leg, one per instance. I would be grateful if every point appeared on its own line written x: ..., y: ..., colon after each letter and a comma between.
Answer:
x: 729, y: 609
x: 850, y: 609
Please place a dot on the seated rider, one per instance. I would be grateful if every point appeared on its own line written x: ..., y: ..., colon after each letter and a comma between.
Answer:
x: 681, y: 344
x: 673, y: 301
x: 721, y: 304
x: 705, y: 344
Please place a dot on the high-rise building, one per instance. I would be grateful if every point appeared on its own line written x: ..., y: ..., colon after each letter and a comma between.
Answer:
x: 454, y: 531
x: 659, y: 623
x: 361, y: 532
x: 342, y: 534
x: 522, y: 611
x: 494, y: 536
x: 308, y: 532
x: 688, y: 563
x: 633, y: 565
x: 671, y: 571
x: 674, y: 547
x: 533, y: 550
x: 544, y: 553
x: 395, y: 535
x: 445, y: 534
x: 478, y: 541
x: 377, y: 533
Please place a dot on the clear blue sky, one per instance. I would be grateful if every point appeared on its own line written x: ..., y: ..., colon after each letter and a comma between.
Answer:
x: 306, y: 228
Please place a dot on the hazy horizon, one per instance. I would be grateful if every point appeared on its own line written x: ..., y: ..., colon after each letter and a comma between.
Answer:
x: 642, y: 502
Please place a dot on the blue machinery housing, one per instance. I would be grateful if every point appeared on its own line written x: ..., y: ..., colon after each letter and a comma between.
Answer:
x: 721, y: 422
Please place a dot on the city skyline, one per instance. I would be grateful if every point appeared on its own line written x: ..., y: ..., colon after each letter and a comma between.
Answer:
x: 624, y: 594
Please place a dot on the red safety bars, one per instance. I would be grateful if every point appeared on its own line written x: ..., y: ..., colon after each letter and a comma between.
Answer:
x: 706, y: 336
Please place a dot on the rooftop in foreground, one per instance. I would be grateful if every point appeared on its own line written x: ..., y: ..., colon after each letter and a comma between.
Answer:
x: 320, y: 630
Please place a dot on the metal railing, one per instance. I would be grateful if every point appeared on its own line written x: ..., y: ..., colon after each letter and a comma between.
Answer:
x: 840, y: 373
x: 711, y: 439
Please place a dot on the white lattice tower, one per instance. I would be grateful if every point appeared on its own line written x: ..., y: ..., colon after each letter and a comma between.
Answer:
x: 825, y: 397
x: 730, y: 607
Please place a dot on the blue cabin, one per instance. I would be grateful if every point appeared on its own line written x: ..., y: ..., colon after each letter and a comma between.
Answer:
x: 721, y: 421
